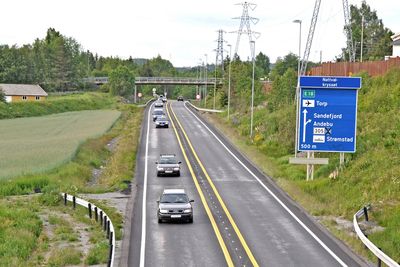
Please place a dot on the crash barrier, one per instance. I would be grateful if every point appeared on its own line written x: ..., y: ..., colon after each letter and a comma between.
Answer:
x: 99, y: 215
x: 382, y: 257
x: 205, y: 109
x: 144, y: 105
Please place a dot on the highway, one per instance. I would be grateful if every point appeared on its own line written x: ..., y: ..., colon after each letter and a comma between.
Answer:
x: 241, y: 218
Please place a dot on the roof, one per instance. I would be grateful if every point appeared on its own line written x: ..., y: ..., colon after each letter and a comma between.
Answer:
x: 396, y: 37
x: 174, y: 191
x: 22, y: 89
x: 397, y: 42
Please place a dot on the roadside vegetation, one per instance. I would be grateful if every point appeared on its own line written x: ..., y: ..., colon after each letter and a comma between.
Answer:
x: 57, y: 104
x: 369, y: 176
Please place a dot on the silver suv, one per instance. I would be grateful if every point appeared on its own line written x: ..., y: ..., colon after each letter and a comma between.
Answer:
x: 174, y: 204
x: 168, y: 165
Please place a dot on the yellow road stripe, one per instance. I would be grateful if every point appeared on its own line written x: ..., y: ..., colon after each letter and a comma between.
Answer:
x: 237, y: 231
x: 203, y: 199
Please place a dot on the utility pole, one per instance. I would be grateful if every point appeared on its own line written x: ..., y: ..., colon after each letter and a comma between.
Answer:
x: 219, y: 58
x: 205, y: 88
x: 245, y: 23
x: 349, y: 33
x: 229, y: 78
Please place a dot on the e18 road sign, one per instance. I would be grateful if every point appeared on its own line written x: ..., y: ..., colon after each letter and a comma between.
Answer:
x: 328, y: 114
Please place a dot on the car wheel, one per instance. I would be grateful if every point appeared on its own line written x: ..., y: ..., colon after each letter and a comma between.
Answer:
x: 178, y: 174
x: 167, y: 126
x: 159, y: 220
x: 191, y: 220
x: 158, y: 174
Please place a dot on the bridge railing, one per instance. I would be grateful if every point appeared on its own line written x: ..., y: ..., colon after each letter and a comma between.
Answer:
x: 160, y: 80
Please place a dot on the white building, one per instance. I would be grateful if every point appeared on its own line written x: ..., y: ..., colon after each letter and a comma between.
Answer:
x: 396, y: 45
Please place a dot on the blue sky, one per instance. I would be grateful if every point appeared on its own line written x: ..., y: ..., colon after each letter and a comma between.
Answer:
x: 182, y: 31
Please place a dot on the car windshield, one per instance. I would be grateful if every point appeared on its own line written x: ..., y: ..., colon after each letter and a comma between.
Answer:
x: 158, y: 112
x: 161, y: 118
x: 174, y: 198
x: 167, y: 160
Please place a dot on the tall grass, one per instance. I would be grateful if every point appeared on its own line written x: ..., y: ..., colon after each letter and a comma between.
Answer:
x: 57, y: 104
x: 32, y: 145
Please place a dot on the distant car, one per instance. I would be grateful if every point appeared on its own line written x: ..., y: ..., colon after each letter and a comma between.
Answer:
x: 157, y: 113
x: 162, y: 121
x: 168, y: 165
x: 158, y: 104
x: 180, y: 98
x: 174, y: 204
x: 163, y: 99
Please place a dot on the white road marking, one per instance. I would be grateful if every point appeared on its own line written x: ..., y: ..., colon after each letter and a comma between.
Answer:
x: 144, y: 202
x: 271, y: 193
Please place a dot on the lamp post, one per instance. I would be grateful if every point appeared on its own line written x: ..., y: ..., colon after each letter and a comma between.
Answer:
x: 229, y: 78
x: 253, y: 44
x: 297, y: 90
x: 362, y: 37
x: 205, y: 88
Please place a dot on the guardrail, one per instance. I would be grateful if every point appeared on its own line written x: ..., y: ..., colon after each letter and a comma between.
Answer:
x: 374, y: 249
x: 99, y: 215
x: 205, y: 109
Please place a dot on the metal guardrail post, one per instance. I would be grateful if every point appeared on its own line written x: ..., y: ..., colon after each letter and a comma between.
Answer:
x: 366, y: 213
x: 65, y: 199
x: 101, y: 218
x: 96, y: 216
x: 105, y: 222
x: 110, y: 256
x: 90, y: 210
x: 108, y: 229
x: 111, y: 238
x: 74, y: 202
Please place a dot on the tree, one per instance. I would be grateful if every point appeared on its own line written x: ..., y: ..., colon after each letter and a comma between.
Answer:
x: 282, y: 65
x: 263, y: 62
x: 376, y: 37
x: 2, y: 97
x: 121, y: 81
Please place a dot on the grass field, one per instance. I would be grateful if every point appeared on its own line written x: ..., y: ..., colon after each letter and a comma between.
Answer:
x: 37, y: 144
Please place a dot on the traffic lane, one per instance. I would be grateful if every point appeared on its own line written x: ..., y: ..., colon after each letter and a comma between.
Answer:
x: 176, y: 243
x: 272, y: 234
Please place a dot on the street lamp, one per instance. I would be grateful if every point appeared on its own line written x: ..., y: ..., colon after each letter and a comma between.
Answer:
x: 253, y: 44
x: 297, y: 90
x: 229, y: 78
x: 205, y: 88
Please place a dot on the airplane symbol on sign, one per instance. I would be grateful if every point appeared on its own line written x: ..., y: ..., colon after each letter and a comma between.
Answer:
x: 308, y: 103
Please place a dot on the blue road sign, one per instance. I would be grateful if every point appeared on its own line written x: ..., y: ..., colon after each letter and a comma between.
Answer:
x: 328, y: 114
x: 330, y: 82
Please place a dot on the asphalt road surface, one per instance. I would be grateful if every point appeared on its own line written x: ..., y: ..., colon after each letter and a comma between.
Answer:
x: 241, y: 218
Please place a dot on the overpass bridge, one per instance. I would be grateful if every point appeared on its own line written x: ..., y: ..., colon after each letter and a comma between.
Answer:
x: 161, y: 81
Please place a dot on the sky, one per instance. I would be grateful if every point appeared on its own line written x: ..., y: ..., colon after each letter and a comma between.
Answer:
x: 184, y: 32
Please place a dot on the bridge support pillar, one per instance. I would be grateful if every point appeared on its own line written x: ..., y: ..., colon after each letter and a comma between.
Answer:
x: 134, y: 99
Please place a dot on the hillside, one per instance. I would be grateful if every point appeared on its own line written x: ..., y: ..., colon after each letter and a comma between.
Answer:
x: 371, y: 175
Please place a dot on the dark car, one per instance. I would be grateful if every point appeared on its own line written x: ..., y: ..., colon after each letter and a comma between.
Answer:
x: 157, y: 113
x: 168, y: 165
x: 162, y: 121
x: 180, y: 98
x: 174, y: 204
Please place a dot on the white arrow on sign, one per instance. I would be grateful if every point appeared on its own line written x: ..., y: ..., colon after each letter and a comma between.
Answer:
x: 305, y: 122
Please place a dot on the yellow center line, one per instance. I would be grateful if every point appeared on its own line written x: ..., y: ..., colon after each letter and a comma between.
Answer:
x: 203, y: 199
x: 230, y: 218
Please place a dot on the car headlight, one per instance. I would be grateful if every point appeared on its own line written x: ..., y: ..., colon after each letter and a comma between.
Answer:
x: 166, y: 122
x: 157, y: 122
x: 187, y: 210
x: 176, y: 169
x: 163, y: 211
x: 160, y: 169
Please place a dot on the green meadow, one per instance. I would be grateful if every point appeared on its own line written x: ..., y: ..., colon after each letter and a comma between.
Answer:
x: 37, y: 144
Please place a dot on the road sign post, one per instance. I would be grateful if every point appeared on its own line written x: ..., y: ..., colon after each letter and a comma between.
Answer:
x: 328, y: 115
